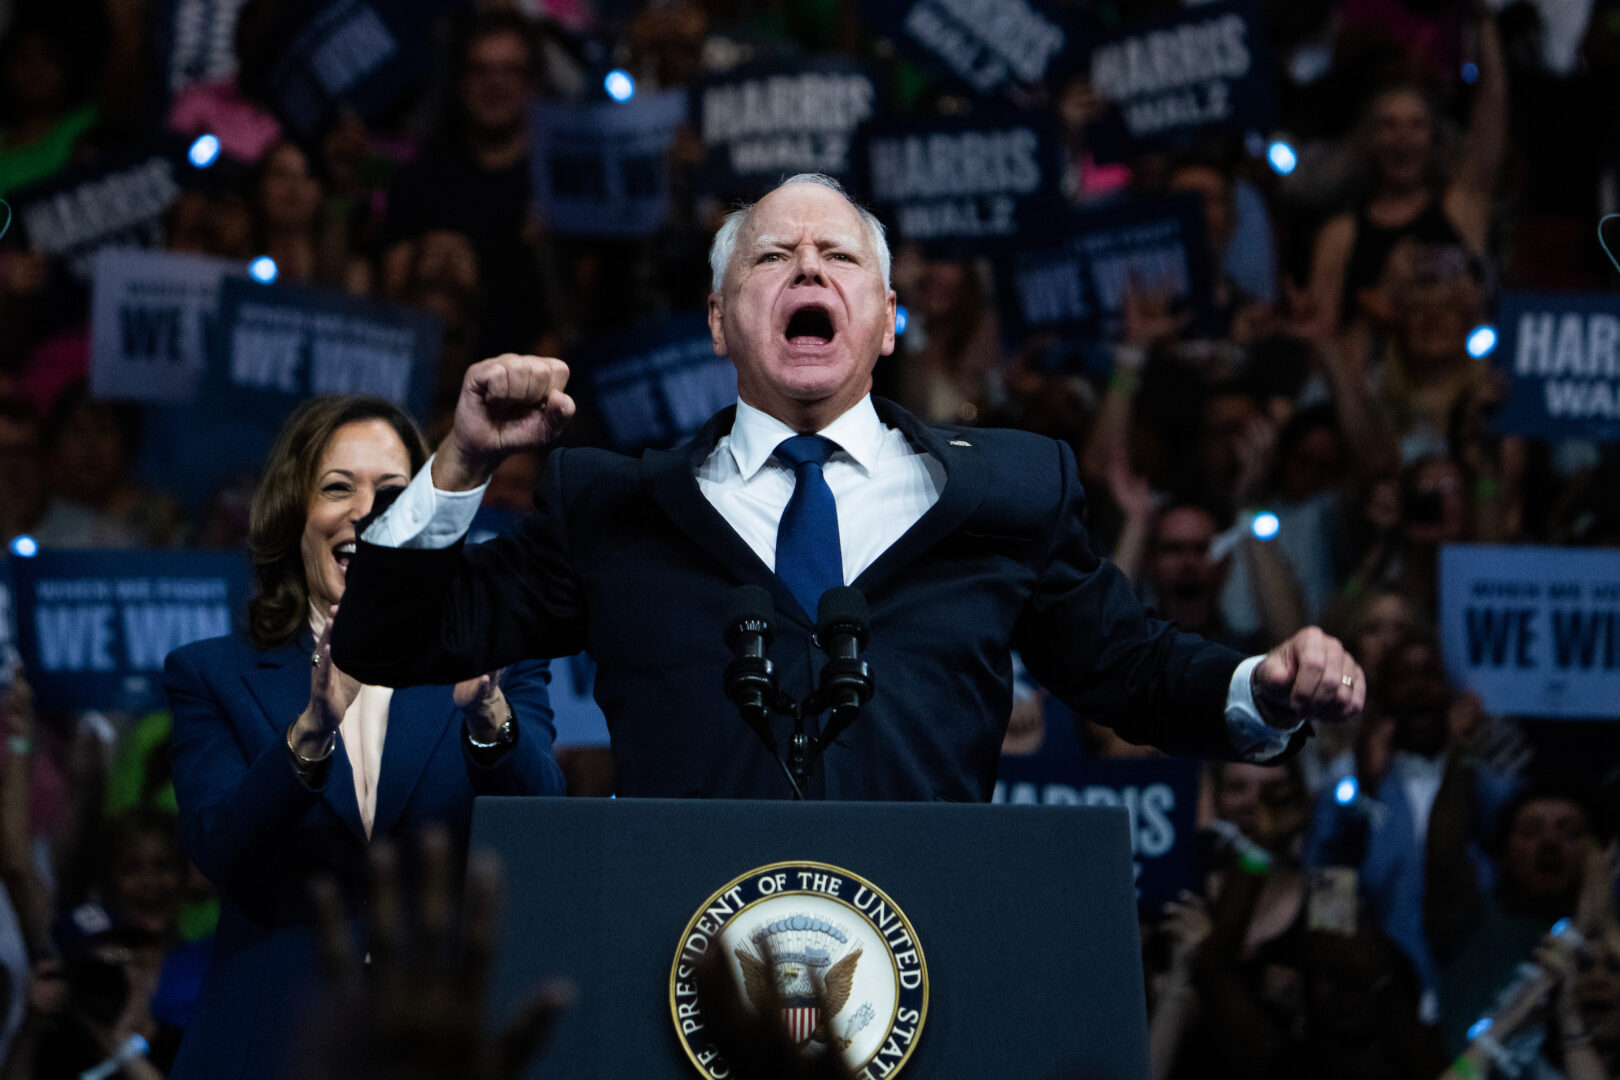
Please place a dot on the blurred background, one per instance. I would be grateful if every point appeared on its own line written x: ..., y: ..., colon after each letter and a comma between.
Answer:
x: 1316, y: 289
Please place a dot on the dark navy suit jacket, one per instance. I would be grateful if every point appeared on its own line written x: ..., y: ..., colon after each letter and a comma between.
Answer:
x: 628, y: 560
x: 260, y: 833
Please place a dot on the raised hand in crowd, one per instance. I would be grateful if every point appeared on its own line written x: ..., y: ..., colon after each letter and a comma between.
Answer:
x: 757, y: 1045
x: 507, y: 404
x: 416, y: 1011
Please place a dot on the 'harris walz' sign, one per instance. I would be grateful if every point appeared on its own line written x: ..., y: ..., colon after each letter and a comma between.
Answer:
x: 1073, y: 285
x: 762, y: 122
x: 119, y: 201
x: 94, y: 627
x: 1175, y: 80
x: 1535, y: 631
x: 657, y: 383
x: 988, y: 44
x: 1561, y: 353
x: 1161, y: 795
x: 961, y: 184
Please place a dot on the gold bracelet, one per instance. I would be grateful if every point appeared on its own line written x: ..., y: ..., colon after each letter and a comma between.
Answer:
x: 304, y: 763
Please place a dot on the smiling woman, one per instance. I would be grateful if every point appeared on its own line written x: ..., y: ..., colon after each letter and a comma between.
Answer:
x: 285, y: 767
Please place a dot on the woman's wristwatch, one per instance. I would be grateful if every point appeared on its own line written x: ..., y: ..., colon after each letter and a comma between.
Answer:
x: 505, y: 735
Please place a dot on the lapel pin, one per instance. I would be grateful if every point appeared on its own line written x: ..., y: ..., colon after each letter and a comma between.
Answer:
x: 960, y: 442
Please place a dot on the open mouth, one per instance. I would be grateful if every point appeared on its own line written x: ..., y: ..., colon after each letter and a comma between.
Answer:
x: 811, y: 325
x: 343, y: 553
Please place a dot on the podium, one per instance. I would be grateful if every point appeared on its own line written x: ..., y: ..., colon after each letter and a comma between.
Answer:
x: 1020, y: 921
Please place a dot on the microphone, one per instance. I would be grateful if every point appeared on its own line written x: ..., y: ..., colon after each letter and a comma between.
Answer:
x: 842, y: 631
x: 750, y: 678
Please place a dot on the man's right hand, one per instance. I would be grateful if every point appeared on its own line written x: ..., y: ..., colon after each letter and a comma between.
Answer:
x: 507, y: 404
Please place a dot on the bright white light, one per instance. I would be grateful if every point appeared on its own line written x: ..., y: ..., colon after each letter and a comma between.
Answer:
x: 1345, y: 793
x: 1265, y: 525
x: 204, y: 152
x: 900, y: 319
x: 619, y: 85
x: 1282, y: 158
x: 25, y: 546
x: 263, y: 270
x: 1481, y: 341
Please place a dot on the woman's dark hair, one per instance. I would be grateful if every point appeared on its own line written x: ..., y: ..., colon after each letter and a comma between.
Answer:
x: 279, y: 609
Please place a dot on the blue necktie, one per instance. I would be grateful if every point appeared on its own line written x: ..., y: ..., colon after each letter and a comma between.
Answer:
x: 808, y: 559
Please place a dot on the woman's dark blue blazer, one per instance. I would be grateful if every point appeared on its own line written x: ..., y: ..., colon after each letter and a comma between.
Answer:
x: 260, y: 833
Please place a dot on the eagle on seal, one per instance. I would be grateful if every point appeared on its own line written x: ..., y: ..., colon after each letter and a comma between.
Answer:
x: 809, y: 997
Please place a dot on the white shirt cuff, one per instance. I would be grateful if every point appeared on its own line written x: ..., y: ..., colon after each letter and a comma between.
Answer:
x: 1253, y: 739
x: 425, y: 517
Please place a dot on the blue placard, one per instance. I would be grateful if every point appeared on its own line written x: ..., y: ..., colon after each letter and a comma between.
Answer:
x: 278, y: 345
x: 94, y: 627
x: 1072, y: 284
x: 989, y: 45
x: 151, y: 318
x: 118, y: 201
x: 599, y: 167
x: 657, y: 383
x: 961, y: 184
x: 1179, y: 80
x: 197, y: 42
x: 1534, y: 630
x: 762, y: 122
x: 1561, y: 354
x: 1160, y: 793
x: 275, y: 346
x: 356, y: 54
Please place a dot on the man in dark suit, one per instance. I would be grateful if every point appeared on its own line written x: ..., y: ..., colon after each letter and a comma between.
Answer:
x: 967, y: 543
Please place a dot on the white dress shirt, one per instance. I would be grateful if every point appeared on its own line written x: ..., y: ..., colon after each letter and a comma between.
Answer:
x: 881, y: 484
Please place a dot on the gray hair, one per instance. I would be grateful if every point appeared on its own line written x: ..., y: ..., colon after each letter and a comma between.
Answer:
x: 725, y: 241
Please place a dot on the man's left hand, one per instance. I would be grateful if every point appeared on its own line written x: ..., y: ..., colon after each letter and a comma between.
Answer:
x: 1311, y: 676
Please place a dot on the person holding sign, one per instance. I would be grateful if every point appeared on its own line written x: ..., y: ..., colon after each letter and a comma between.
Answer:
x: 965, y: 542
x: 286, y: 766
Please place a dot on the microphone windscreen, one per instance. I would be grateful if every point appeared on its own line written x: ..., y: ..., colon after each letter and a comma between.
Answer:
x: 842, y: 609
x: 748, y: 603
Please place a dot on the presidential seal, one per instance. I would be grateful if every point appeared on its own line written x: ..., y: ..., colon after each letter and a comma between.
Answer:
x: 827, y: 947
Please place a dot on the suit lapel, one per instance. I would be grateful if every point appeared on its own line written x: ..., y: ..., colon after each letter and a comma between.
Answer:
x: 966, y: 480
x: 280, y: 684
x: 418, y: 717
x: 670, y: 479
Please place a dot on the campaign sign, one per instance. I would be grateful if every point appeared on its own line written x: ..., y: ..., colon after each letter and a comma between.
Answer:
x: 599, y: 166
x: 1535, y: 631
x: 94, y: 627
x: 277, y: 345
x: 990, y: 45
x: 359, y: 54
x: 151, y: 314
x: 274, y: 346
x: 1161, y: 795
x: 657, y: 383
x: 198, y: 42
x: 1176, y: 80
x: 762, y: 122
x: 117, y: 202
x: 1561, y: 354
x: 1075, y: 287
x: 961, y: 184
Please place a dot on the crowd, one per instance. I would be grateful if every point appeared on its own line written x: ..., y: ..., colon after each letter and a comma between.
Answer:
x: 1445, y: 150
